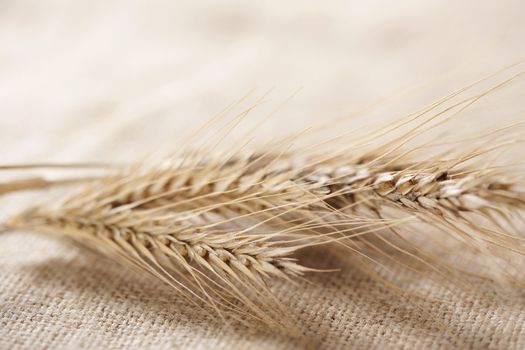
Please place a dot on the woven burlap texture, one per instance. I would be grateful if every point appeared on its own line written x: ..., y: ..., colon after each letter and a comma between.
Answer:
x: 57, y: 297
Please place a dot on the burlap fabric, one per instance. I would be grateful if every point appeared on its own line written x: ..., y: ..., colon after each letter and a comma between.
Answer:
x: 56, y: 297
x: 94, y: 80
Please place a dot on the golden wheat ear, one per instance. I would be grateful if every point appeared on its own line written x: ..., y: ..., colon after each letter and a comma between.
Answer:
x: 219, y: 230
x: 219, y: 226
x: 478, y: 209
x: 209, y: 231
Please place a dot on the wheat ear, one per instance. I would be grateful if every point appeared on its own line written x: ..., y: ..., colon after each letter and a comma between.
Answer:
x: 216, y: 232
x: 218, y: 226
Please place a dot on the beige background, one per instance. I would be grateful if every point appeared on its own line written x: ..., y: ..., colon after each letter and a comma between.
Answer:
x: 105, y: 80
